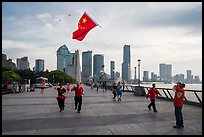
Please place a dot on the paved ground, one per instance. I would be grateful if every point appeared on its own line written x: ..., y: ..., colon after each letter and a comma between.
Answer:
x: 34, y: 113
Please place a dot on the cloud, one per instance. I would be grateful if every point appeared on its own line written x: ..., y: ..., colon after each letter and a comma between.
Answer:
x: 157, y: 32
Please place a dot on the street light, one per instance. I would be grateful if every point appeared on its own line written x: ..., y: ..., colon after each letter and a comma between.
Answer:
x: 135, y: 74
x: 113, y: 74
x: 139, y: 71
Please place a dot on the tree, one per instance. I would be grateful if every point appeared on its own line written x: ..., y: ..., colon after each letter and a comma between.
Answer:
x: 57, y: 76
x: 10, y: 76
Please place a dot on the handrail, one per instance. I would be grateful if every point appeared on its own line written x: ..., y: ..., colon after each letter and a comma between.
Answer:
x: 187, y: 99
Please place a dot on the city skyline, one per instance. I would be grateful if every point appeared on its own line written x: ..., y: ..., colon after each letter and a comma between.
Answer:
x: 169, y: 33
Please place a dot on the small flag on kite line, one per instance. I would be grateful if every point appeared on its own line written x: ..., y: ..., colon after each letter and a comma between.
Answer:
x: 85, y: 24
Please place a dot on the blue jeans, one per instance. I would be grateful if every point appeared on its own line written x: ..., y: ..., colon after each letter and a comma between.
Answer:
x: 178, y: 115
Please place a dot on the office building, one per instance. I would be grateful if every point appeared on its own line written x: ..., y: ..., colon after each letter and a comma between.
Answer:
x: 23, y: 63
x: 39, y: 65
x: 126, y: 65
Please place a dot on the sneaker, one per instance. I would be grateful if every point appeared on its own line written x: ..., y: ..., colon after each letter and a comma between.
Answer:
x: 182, y: 126
x: 60, y: 110
x: 155, y: 111
x: 149, y: 108
x: 78, y: 111
x: 176, y: 126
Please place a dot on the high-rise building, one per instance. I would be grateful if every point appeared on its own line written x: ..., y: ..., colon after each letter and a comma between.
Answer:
x: 162, y: 72
x: 112, y: 69
x: 63, y: 58
x: 145, y: 76
x: 153, y: 76
x: 7, y: 63
x: 23, y: 63
x: 165, y: 71
x: 189, y: 78
x: 98, y: 62
x: 126, y: 65
x: 86, y: 65
x: 69, y: 62
x: 169, y: 73
x: 39, y: 65
x: 73, y: 67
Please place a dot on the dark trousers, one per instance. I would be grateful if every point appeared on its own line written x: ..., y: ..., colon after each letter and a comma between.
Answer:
x: 78, y: 102
x: 178, y: 115
x: 114, y: 94
x: 61, y: 104
x: 152, y: 104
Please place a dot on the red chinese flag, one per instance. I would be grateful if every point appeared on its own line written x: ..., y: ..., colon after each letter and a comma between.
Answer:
x: 85, y: 24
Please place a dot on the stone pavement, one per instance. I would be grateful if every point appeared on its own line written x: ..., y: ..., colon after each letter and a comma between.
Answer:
x: 34, y: 113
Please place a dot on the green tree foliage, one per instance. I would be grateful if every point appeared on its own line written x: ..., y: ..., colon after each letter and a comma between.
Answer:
x: 11, y: 76
x: 57, y: 76
x: 26, y: 74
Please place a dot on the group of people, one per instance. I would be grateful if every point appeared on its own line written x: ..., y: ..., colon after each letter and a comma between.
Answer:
x: 178, y: 101
x: 62, y: 95
x: 116, y: 90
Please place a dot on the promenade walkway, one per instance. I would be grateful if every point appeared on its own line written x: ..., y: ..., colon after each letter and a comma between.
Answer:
x: 34, y: 113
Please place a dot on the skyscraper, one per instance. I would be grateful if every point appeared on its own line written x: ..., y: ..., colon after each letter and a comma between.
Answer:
x: 69, y: 62
x: 39, y: 65
x: 63, y: 58
x: 165, y: 71
x: 112, y: 69
x: 145, y: 76
x: 162, y: 72
x: 23, y: 63
x: 86, y: 64
x: 126, y: 65
x: 98, y: 61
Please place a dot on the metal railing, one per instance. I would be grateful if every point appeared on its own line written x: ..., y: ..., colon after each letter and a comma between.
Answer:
x: 192, y: 97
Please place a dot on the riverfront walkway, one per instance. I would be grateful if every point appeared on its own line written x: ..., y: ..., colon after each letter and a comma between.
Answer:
x: 34, y: 113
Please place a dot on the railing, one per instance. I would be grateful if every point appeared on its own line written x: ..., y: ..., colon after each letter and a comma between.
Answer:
x: 193, y: 97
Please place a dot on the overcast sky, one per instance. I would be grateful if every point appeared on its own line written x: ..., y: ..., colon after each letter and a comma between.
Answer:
x: 168, y: 32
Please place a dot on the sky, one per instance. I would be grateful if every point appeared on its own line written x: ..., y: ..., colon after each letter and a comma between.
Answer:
x: 157, y: 32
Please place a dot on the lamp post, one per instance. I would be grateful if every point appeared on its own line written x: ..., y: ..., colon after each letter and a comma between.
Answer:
x: 135, y: 74
x: 113, y: 74
x: 139, y: 71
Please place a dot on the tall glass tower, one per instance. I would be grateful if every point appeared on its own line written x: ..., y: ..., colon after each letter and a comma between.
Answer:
x: 39, y: 65
x: 98, y: 61
x: 63, y: 58
x: 86, y: 64
x: 126, y: 65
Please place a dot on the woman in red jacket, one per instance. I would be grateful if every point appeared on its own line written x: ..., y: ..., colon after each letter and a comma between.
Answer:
x: 152, y: 94
x: 178, y: 104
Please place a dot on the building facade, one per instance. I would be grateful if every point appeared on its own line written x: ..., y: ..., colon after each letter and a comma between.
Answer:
x: 86, y: 65
x: 98, y: 62
x: 39, y: 65
x: 112, y: 69
x: 7, y: 63
x: 23, y: 63
x: 126, y: 65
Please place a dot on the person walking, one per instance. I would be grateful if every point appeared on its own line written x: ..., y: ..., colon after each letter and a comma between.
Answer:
x: 97, y: 86
x: 152, y: 94
x: 178, y: 104
x: 119, y: 91
x: 114, y: 88
x: 68, y: 87
x: 43, y: 86
x: 79, y: 91
x: 61, y: 97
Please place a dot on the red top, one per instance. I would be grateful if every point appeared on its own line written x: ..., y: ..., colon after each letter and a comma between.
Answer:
x: 78, y: 91
x: 152, y: 93
x: 43, y: 84
x: 179, y: 96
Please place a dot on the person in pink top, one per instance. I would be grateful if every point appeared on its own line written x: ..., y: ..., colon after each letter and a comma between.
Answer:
x: 68, y: 87
x: 152, y: 94
x: 79, y: 91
